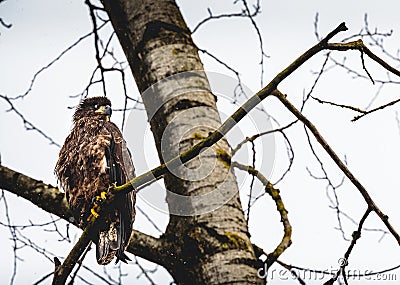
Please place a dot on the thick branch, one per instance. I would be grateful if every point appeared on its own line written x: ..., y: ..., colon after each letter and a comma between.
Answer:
x: 214, y: 137
x: 45, y: 196
x: 62, y: 271
x: 52, y: 200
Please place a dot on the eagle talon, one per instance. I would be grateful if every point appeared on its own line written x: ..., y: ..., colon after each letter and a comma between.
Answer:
x: 94, y: 213
x: 96, y: 202
x: 100, y: 198
x: 103, y: 195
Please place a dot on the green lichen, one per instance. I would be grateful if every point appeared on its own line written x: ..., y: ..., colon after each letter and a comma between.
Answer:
x: 236, y: 241
x: 198, y: 136
x: 224, y: 157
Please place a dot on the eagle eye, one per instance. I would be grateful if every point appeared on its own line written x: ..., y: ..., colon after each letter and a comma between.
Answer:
x: 96, y: 106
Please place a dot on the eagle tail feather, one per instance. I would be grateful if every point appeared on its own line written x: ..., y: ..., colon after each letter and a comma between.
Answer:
x: 107, y: 245
x: 121, y: 256
x: 112, y: 242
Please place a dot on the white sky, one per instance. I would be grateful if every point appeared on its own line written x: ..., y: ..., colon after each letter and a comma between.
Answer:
x: 42, y: 29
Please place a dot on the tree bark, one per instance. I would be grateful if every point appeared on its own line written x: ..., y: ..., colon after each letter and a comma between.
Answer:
x: 207, y: 236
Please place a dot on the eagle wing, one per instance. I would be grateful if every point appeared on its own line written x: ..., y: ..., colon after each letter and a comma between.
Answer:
x: 93, y: 157
x: 114, y: 239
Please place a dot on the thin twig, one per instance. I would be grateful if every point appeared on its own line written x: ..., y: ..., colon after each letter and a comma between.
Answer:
x: 338, y: 162
x: 289, y: 148
x: 4, y: 24
x: 35, y: 76
x: 211, y: 16
x: 343, y: 262
x: 375, y: 109
x: 330, y: 185
x: 256, y: 136
x: 253, y: 165
x: 359, y: 45
x: 260, y: 39
x: 96, y: 43
x: 27, y: 124
x: 358, y: 110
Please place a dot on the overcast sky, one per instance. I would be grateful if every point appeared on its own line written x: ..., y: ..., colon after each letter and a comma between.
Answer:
x: 42, y: 29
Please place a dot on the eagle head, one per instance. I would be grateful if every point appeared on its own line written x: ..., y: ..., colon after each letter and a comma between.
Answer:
x: 94, y: 107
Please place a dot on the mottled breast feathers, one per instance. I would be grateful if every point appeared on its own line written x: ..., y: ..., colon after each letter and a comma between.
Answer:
x: 93, y: 157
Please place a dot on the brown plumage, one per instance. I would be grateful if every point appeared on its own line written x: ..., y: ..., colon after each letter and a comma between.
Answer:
x: 93, y: 157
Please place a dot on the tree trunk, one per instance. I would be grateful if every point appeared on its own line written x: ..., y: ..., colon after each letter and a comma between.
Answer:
x: 207, y: 237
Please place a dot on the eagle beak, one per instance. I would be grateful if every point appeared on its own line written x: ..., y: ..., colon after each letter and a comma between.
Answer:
x: 104, y: 110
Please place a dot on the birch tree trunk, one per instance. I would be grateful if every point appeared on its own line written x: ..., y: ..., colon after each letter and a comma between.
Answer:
x: 207, y: 238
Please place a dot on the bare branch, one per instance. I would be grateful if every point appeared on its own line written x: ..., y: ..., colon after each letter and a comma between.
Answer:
x: 316, y: 18
x: 359, y: 45
x: 244, y: 13
x: 35, y: 76
x: 344, y: 261
x: 13, y: 237
x: 321, y: 71
x: 291, y: 268
x: 363, y: 112
x: 51, y: 200
x: 96, y: 43
x: 375, y: 109
x: 211, y: 16
x: 375, y: 42
x: 80, y: 263
x: 338, y: 105
x: 28, y: 125
x: 397, y: 121
x: 330, y: 185
x: 254, y: 137
x: 290, y: 151
x: 275, y: 195
x: 45, y: 196
x: 63, y: 270
x: 371, y: 204
x: 260, y: 39
x: 144, y: 272
x: 253, y: 165
x: 4, y: 24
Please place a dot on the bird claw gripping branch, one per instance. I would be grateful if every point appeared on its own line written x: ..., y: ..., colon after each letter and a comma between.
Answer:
x: 97, y: 201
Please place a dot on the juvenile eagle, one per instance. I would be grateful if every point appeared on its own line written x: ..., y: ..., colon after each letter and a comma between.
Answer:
x: 93, y: 157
